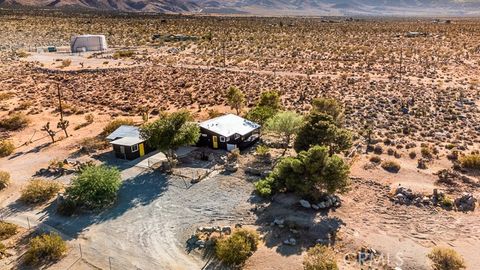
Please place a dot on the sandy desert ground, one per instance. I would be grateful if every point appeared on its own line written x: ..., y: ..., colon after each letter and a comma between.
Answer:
x: 414, y: 93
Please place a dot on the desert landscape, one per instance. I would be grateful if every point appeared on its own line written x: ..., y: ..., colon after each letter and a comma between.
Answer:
x: 398, y: 102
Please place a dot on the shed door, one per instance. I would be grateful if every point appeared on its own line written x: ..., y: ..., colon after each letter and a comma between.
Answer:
x: 141, y: 148
x: 215, y: 142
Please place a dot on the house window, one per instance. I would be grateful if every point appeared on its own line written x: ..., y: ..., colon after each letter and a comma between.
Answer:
x: 222, y: 139
x: 134, y: 148
x: 204, y: 135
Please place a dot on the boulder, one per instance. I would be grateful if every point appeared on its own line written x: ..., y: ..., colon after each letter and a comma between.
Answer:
x: 305, y: 204
x: 290, y: 242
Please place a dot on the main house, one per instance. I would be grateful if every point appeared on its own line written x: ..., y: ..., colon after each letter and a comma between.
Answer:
x: 127, y: 143
x: 228, y: 132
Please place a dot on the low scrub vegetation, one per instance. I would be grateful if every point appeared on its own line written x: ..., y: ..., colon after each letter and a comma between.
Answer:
x: 6, y: 148
x: 320, y: 258
x: 96, y: 187
x: 391, y: 166
x: 7, y: 230
x: 40, y: 191
x: 46, y: 248
x: 446, y: 259
x: 123, y: 54
x: 93, y: 144
x: 113, y: 125
x: 4, y: 179
x: 14, y: 122
x: 471, y: 161
x: 237, y: 248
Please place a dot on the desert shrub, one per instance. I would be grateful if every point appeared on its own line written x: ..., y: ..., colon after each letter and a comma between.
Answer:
x: 39, y: 191
x: 123, y: 54
x: 378, y: 150
x: 426, y: 152
x: 45, y: 248
x: 446, y: 259
x: 3, y: 250
x: 113, y: 125
x: 89, y: 118
x: 264, y: 187
x: 95, y: 187
x: 412, y: 155
x: 66, y: 63
x: 235, y: 249
x: 375, y: 159
x: 262, y: 150
x: 320, y: 258
x: 22, y: 54
x: 446, y: 202
x: 391, y: 166
x: 7, y: 230
x: 449, y: 146
x: 390, y: 151
x: 471, y: 161
x: 6, y: 148
x: 4, y: 179
x: 14, y: 122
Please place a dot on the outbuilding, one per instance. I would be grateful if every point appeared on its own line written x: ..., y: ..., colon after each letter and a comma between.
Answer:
x: 127, y: 143
x: 88, y: 43
x: 228, y: 132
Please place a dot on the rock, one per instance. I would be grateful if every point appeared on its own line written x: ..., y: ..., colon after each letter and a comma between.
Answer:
x: 315, y: 206
x: 305, y: 204
x: 466, y: 202
x: 238, y: 225
x: 231, y: 167
x: 290, y: 242
x: 200, y: 243
x: 322, y: 205
x: 253, y: 171
x: 278, y: 221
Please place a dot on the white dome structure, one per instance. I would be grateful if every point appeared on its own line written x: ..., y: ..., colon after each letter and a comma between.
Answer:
x: 88, y: 43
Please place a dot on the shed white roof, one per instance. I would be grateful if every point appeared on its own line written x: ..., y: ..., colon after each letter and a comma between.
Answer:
x: 127, y: 141
x: 229, y: 124
x: 124, y: 131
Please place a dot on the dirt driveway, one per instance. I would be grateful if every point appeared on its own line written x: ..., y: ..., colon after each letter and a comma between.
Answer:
x: 153, y: 218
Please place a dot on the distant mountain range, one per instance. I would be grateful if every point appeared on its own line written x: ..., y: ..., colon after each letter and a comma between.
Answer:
x: 271, y: 7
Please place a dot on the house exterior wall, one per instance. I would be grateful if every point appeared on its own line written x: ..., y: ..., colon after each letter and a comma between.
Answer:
x: 129, y: 154
x: 239, y: 141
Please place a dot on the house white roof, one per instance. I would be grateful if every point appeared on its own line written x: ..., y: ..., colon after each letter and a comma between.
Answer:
x: 124, y: 131
x: 229, y: 124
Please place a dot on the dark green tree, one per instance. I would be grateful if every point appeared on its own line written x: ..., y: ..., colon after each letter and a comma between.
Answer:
x: 321, y: 129
x: 311, y: 174
x: 266, y: 108
x: 330, y: 107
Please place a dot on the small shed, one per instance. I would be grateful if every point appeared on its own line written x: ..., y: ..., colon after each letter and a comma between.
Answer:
x: 228, y: 132
x: 88, y: 43
x: 127, y: 143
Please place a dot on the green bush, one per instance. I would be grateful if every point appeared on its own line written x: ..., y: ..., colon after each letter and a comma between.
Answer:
x: 7, y: 230
x: 3, y: 250
x: 4, y: 179
x: 235, y: 249
x: 471, y: 161
x: 96, y: 187
x: 6, y: 148
x: 391, y: 166
x: 311, y: 174
x: 446, y: 202
x: 113, y: 125
x: 264, y: 187
x: 123, y: 54
x: 446, y: 259
x: 40, y: 191
x: 14, y: 122
x: 426, y: 152
x: 320, y: 258
x: 45, y: 248
x: 67, y: 208
x: 262, y: 150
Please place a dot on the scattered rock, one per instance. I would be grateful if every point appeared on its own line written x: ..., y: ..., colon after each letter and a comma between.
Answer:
x: 305, y: 204
x: 290, y: 242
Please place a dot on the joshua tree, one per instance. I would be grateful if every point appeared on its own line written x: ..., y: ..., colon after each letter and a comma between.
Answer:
x: 50, y: 132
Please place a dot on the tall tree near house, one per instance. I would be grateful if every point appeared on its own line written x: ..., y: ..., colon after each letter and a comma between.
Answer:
x: 266, y: 108
x: 286, y: 124
x: 171, y: 131
x: 235, y: 98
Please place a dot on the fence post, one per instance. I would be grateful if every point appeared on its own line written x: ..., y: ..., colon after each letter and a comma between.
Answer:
x: 81, y: 253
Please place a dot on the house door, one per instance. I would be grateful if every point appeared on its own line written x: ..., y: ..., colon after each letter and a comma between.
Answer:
x: 215, y: 142
x: 141, y: 149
